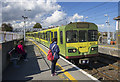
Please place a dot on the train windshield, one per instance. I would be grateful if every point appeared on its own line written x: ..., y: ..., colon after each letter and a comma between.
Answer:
x: 92, y: 35
x: 71, y: 36
x: 82, y: 36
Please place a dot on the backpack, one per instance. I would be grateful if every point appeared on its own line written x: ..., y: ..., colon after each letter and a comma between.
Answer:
x: 50, y: 56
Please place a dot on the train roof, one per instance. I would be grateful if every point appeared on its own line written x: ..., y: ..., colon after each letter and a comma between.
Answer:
x: 72, y: 24
x: 80, y: 23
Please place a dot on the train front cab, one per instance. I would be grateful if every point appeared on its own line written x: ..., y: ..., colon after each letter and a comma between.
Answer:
x: 81, y: 43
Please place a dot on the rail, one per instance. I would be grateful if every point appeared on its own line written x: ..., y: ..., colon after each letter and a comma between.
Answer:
x: 9, y: 36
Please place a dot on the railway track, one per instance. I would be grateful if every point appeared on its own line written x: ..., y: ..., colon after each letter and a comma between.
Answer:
x: 114, y: 66
x: 108, y: 61
x: 102, y: 74
x: 103, y: 68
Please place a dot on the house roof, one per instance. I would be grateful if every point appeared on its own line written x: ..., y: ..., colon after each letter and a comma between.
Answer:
x: 117, y: 18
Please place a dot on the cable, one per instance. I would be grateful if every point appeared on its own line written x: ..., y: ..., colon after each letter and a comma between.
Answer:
x: 102, y: 10
x: 94, y: 7
x: 102, y: 14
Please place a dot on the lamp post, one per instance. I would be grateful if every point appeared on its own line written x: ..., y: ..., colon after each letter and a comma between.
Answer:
x: 25, y: 17
x: 108, y: 25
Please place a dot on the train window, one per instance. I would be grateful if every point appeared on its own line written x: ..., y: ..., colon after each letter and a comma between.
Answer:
x: 55, y: 35
x: 61, y: 37
x: 71, y: 36
x: 92, y: 35
x: 46, y: 35
x: 82, y: 36
x: 38, y: 35
x: 42, y: 36
x: 35, y: 35
x: 51, y: 36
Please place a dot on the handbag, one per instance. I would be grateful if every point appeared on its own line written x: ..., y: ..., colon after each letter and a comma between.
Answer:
x: 50, y: 56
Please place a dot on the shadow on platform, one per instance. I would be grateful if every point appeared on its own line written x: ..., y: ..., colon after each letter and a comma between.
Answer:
x: 25, y: 69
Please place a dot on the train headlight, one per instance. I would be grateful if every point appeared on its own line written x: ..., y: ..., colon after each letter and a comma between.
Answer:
x: 92, y: 49
x: 72, y: 50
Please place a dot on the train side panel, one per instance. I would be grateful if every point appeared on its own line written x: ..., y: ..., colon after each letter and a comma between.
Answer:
x: 61, y: 39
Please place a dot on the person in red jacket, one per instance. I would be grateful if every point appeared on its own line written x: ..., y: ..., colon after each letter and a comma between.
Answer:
x: 20, y: 50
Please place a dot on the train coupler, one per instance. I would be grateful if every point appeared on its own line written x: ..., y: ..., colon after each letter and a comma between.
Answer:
x: 84, y: 61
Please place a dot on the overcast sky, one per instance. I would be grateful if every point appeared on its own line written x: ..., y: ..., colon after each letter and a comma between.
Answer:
x: 51, y: 12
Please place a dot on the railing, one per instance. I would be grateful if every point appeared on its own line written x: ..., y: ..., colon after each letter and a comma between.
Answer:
x: 9, y: 36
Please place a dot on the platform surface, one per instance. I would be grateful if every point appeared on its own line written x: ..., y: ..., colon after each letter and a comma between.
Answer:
x: 39, y: 68
x: 113, y: 50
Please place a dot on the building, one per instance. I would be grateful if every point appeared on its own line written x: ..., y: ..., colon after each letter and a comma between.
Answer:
x: 117, y: 30
x: 103, y: 37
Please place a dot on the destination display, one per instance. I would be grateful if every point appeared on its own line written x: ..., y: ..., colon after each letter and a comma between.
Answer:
x: 82, y: 25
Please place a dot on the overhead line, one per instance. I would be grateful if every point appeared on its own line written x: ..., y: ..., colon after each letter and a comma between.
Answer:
x: 103, y: 10
x: 96, y: 19
x: 102, y: 14
x: 94, y: 7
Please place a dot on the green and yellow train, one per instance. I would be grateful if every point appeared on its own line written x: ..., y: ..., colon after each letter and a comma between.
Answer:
x: 76, y: 40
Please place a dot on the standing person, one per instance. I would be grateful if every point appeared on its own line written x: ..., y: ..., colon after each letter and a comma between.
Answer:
x: 20, y: 50
x: 55, y: 51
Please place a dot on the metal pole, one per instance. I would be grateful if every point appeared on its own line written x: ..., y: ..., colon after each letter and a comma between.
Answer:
x: 108, y: 29
x: 84, y: 19
x: 108, y: 25
x: 25, y: 17
x: 24, y: 29
x: 24, y: 25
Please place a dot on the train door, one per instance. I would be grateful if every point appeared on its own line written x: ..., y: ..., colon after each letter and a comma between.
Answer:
x: 62, y: 43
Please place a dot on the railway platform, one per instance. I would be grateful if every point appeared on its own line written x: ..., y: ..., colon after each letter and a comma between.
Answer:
x: 38, y: 67
x: 113, y: 50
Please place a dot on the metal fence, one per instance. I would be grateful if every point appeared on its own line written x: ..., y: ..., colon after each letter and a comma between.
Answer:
x: 9, y: 36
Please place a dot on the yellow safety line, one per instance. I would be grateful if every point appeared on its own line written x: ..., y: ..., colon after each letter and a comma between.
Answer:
x: 63, y: 70
x: 109, y: 47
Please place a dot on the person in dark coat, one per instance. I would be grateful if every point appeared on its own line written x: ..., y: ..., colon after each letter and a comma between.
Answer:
x: 21, y: 50
x: 55, y: 51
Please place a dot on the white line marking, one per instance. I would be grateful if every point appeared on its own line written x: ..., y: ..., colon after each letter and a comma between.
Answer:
x: 80, y: 69
x: 93, y: 78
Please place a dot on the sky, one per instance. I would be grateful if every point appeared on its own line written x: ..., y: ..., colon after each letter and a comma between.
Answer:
x: 60, y: 12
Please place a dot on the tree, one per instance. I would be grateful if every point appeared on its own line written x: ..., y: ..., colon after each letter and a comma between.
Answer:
x: 37, y: 25
x: 99, y: 34
x: 7, y: 27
